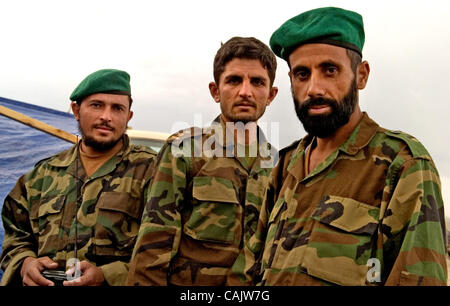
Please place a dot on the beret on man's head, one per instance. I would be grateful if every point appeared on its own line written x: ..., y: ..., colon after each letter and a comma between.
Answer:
x: 329, y: 25
x: 103, y: 81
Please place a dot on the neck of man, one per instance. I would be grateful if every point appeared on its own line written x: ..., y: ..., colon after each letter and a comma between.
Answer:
x: 92, y: 159
x: 325, y: 146
x: 243, y: 133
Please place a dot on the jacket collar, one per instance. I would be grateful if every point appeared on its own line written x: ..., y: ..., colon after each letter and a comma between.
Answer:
x: 358, y: 139
x: 67, y: 159
x: 265, y: 151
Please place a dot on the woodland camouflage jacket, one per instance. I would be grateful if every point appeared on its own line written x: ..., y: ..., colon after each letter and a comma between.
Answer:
x: 374, y: 205
x: 39, y: 212
x: 200, y: 213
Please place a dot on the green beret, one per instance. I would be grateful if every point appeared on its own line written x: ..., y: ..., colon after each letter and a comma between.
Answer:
x: 329, y: 25
x: 103, y: 81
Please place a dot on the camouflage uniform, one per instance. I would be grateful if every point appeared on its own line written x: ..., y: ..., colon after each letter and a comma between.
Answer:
x: 377, y: 196
x: 39, y: 213
x: 201, y: 211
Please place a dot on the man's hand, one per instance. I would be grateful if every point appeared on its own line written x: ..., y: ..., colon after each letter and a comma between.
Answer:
x: 32, y: 268
x: 90, y: 275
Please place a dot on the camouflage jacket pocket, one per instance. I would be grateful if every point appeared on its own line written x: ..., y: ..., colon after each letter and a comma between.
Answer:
x: 117, y: 224
x: 216, y: 213
x: 342, y: 241
x: 46, y: 215
x: 46, y: 219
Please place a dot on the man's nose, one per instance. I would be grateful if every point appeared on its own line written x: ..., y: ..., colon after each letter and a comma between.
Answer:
x: 245, y: 89
x: 106, y: 114
x: 316, y: 86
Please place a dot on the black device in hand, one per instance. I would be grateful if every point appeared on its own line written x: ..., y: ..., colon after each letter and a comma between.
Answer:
x: 56, y: 276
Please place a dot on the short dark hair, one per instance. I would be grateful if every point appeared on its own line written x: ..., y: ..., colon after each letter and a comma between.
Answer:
x: 355, y: 59
x: 247, y: 48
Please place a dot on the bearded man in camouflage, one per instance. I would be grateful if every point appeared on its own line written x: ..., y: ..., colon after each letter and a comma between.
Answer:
x: 209, y: 183
x: 82, y: 206
x: 351, y: 203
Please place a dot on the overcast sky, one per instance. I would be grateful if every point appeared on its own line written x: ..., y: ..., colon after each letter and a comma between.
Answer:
x: 48, y: 47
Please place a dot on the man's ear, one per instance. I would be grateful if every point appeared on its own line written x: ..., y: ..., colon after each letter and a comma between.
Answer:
x: 214, y: 90
x: 130, y: 115
x: 362, y: 73
x: 76, y: 110
x: 272, y: 94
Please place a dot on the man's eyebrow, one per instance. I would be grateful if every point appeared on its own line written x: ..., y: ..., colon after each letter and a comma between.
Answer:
x: 232, y: 76
x: 252, y: 77
x: 258, y: 76
x: 324, y: 64
x: 299, y: 68
x: 328, y: 63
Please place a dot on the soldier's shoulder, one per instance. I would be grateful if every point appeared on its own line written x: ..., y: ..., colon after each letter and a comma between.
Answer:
x: 285, y: 155
x: 414, y: 146
x: 46, y: 163
x: 186, y: 134
x: 58, y: 156
x: 144, y: 150
x: 43, y: 161
x: 289, y: 149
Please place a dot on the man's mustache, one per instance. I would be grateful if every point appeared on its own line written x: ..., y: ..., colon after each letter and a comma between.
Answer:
x: 245, y: 102
x: 318, y: 101
x: 103, y: 125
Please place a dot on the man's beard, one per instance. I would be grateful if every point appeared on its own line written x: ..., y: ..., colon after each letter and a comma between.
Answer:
x: 243, y: 117
x: 325, y: 125
x: 99, y: 146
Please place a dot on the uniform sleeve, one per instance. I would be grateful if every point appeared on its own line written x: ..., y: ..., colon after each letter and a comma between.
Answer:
x: 415, y: 248
x: 19, y: 241
x: 160, y: 231
x: 115, y: 273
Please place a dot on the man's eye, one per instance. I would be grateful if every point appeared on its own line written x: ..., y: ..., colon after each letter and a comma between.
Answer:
x: 331, y: 70
x: 258, y: 82
x: 302, y: 74
x: 233, y: 81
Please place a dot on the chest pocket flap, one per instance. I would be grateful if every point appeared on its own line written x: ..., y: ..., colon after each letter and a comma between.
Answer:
x: 120, y: 202
x: 117, y: 224
x: 347, y: 214
x: 45, y: 214
x: 214, y: 189
x: 215, y: 212
x: 342, y: 240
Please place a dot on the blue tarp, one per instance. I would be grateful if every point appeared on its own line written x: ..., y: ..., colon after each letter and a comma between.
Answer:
x: 21, y: 146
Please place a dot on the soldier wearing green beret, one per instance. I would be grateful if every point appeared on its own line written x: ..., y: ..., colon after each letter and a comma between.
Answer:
x: 204, y: 205
x: 351, y: 203
x: 80, y: 209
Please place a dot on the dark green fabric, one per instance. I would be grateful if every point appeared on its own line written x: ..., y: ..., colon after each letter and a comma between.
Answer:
x: 103, y: 81
x: 330, y: 25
